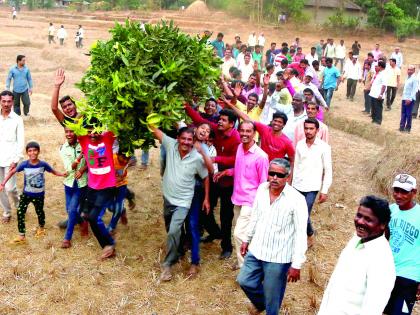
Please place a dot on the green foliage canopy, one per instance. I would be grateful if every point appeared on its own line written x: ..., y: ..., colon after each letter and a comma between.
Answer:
x: 140, y: 76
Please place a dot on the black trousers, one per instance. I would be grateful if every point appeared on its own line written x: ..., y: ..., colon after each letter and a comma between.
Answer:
x: 391, y: 92
x: 404, y: 292
x: 226, y: 216
x: 377, y: 109
x: 351, y: 88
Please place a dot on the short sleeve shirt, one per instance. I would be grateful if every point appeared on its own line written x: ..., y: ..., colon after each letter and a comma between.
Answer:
x: 330, y: 77
x: 180, y: 174
x: 34, y: 180
x: 405, y: 241
x: 99, y: 161
x: 275, y: 146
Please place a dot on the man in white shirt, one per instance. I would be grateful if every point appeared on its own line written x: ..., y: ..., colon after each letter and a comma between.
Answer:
x: 61, y: 34
x: 11, y: 144
x: 228, y: 62
x: 377, y: 92
x: 329, y: 50
x: 417, y: 102
x: 247, y: 67
x: 397, y: 55
x: 252, y: 41
x: 81, y: 36
x: 276, y: 239
x: 311, y: 56
x: 51, y: 32
x: 312, y: 171
x: 353, y: 73
x: 340, y: 54
x: 393, y: 81
x: 364, y: 276
x: 298, y: 115
x: 261, y: 42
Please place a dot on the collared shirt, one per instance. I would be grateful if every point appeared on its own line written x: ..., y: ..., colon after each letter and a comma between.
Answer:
x: 376, y: 54
x: 277, y: 231
x: 292, y: 121
x: 220, y: 47
x: 330, y: 76
x: 410, y: 88
x: 252, y: 40
x: 247, y: 70
x: 81, y: 32
x: 11, y: 139
x: 69, y: 154
x: 251, y: 169
x: 378, y: 81
x: 226, y: 145
x: 22, y: 79
x: 51, y: 30
x: 254, y: 113
x: 300, y: 132
x: 276, y: 146
x: 314, y: 89
x: 404, y: 229
x: 353, y: 71
x: 179, y: 177
x: 362, y: 280
x: 311, y: 58
x: 319, y: 49
x: 392, y: 76
x: 61, y: 33
x: 261, y: 40
x: 329, y: 51
x: 227, y: 64
x: 340, y: 51
x: 398, y: 58
x: 313, y: 167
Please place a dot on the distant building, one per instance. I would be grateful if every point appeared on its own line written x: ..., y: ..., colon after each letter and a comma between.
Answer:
x: 320, y: 10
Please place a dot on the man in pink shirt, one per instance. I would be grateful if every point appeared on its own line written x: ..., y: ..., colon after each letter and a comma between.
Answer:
x: 312, y: 110
x: 251, y: 167
x: 376, y: 52
x: 299, y: 55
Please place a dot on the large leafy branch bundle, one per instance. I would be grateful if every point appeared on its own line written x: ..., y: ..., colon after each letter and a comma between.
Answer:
x: 144, y: 76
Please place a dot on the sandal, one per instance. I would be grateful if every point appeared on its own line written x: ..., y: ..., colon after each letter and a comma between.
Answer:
x: 40, y: 231
x: 5, y: 220
x: 108, y: 252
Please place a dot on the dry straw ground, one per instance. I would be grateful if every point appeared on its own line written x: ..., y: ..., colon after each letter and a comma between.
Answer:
x: 41, y: 278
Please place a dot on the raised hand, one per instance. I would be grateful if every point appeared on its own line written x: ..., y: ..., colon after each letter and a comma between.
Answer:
x: 59, y: 77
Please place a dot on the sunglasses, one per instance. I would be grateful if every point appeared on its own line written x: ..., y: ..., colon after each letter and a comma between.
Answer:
x: 279, y: 175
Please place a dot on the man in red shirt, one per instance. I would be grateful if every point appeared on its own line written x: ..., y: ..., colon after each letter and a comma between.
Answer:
x: 226, y: 142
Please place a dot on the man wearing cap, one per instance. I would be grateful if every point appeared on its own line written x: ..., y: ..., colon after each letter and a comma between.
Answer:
x: 353, y: 73
x: 364, y: 275
x: 404, y: 229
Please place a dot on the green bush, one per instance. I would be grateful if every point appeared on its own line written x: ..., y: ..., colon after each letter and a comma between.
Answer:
x: 405, y: 27
x: 340, y: 22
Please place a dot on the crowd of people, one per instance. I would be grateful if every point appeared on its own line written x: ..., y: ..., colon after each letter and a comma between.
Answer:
x: 261, y: 151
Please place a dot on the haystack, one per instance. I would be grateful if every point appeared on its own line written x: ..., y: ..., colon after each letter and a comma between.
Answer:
x: 197, y: 8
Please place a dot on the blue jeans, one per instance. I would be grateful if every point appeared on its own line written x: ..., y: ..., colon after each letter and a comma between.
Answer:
x: 117, y: 207
x: 194, y: 224
x: 73, y: 196
x: 145, y: 157
x: 310, y: 197
x: 328, y: 94
x: 264, y: 283
x: 406, y: 111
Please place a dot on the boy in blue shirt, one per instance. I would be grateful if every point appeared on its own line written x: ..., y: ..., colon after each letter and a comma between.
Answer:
x: 404, y: 229
x: 33, y: 190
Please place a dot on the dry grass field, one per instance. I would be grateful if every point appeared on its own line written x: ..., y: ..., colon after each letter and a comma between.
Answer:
x: 41, y: 278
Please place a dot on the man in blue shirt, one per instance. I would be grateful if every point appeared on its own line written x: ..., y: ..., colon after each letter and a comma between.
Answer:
x: 408, y: 99
x: 22, y: 85
x: 404, y: 229
x: 219, y: 45
x: 330, y: 80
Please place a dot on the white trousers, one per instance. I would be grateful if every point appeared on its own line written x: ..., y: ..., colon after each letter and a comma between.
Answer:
x: 10, y: 190
x: 242, y: 218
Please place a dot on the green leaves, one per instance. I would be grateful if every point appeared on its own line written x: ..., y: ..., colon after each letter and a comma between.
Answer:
x: 138, y: 73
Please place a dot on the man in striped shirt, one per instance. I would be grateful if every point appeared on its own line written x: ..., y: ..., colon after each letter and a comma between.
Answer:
x: 277, y: 232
